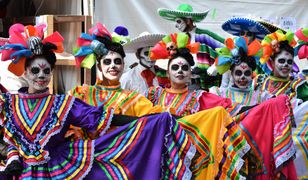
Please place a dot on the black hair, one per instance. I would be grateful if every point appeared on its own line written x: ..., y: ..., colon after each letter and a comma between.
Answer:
x: 48, y: 54
x: 111, y: 46
x: 283, y: 46
x: 249, y: 60
x: 184, y: 53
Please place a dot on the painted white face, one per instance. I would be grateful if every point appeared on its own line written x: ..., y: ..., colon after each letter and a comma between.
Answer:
x: 38, y: 74
x: 112, y: 66
x: 180, y: 24
x: 179, y: 71
x: 242, y: 76
x: 283, y: 64
x: 145, y: 59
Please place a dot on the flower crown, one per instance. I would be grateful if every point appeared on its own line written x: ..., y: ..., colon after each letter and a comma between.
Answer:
x: 231, y: 53
x: 168, y: 46
x: 25, y: 42
x: 89, y: 45
x: 302, y: 49
x: 270, y: 44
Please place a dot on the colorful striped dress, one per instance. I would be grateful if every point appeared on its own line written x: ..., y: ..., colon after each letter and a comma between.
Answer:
x: 295, y: 86
x: 152, y: 147
x: 245, y: 97
x: 34, y: 126
x: 219, y: 142
x: 125, y: 102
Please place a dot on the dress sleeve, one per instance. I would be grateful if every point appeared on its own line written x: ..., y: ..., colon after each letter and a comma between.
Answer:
x: 78, y: 92
x: 142, y: 107
x: 92, y: 119
x: 209, y: 100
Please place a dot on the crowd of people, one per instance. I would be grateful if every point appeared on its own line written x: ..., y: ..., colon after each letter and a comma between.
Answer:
x: 231, y: 108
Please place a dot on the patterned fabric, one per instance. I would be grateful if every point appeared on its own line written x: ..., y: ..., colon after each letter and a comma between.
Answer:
x: 272, y: 134
x: 277, y: 86
x: 25, y: 114
x: 219, y: 149
x: 153, y: 147
x: 186, y: 102
x: 123, y: 101
x: 300, y: 137
x: 35, y: 125
x: 197, y: 117
x: 206, y: 56
x: 182, y: 104
x: 245, y: 97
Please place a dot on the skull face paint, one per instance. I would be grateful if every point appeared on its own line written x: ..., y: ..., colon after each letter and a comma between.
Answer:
x: 145, y: 59
x: 180, y: 24
x: 38, y: 74
x: 283, y: 64
x: 249, y: 35
x: 112, y: 66
x: 242, y: 76
x: 179, y: 71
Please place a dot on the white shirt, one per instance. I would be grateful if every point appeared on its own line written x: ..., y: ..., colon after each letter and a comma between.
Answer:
x: 132, y: 80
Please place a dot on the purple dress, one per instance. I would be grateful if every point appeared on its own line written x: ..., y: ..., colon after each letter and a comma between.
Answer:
x: 149, y: 148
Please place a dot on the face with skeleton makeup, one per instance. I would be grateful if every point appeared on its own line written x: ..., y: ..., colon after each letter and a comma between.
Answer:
x: 112, y: 66
x: 38, y: 74
x: 283, y: 64
x: 180, y: 24
x: 249, y: 35
x: 242, y: 76
x: 145, y: 59
x: 179, y: 72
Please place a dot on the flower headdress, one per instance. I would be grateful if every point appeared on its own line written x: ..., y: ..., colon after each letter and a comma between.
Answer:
x: 91, y: 44
x: 270, y: 44
x: 168, y: 46
x: 233, y: 52
x: 25, y: 42
x: 302, y: 49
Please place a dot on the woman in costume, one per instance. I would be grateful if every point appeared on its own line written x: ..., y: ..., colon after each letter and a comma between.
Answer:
x: 278, y: 54
x: 180, y: 98
x: 241, y: 59
x: 101, y: 48
x: 35, y: 123
x: 212, y: 160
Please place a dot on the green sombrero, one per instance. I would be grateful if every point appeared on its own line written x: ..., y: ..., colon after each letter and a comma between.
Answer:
x: 182, y: 11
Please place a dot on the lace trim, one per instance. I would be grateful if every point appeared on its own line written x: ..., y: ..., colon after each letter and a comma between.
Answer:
x: 289, y: 152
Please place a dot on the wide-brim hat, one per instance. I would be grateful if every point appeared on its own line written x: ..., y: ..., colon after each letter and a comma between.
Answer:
x: 145, y: 39
x: 271, y: 27
x: 182, y: 11
x: 235, y: 25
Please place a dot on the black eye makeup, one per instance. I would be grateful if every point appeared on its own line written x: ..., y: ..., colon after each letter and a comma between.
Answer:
x: 240, y: 73
x: 282, y: 61
x: 175, y: 67
x: 117, y: 61
x: 35, y: 70
x: 47, y: 71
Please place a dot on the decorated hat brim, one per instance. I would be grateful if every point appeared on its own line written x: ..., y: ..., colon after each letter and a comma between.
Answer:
x: 142, y: 41
x: 171, y: 15
x: 235, y: 25
x: 271, y: 27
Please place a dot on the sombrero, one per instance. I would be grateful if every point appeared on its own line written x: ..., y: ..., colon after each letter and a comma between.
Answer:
x: 184, y: 11
x: 237, y: 24
x: 145, y: 39
x: 271, y: 27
